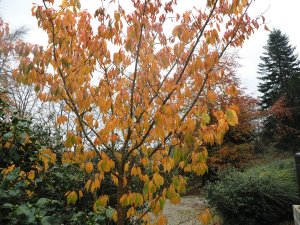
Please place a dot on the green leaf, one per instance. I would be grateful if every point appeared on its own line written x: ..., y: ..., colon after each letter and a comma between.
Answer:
x: 205, y: 118
x: 14, y: 193
x: 146, y: 188
x: 29, y: 68
x: 65, y: 62
x: 37, y: 88
x: 77, y: 3
x: 50, y: 220
x: 161, y: 203
x: 24, y: 210
x: 109, y: 212
x: 7, y: 206
x: 100, y: 218
x: 7, y: 135
x: 43, y: 201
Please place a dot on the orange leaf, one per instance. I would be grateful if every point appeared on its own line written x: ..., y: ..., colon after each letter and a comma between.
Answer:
x: 89, y: 167
x: 162, y: 220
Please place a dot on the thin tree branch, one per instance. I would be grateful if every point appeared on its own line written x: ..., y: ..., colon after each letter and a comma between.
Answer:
x: 137, y: 61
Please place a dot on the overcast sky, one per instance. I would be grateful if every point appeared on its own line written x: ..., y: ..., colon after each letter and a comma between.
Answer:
x: 279, y: 14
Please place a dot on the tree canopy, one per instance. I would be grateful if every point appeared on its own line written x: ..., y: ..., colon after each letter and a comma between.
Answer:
x: 144, y: 100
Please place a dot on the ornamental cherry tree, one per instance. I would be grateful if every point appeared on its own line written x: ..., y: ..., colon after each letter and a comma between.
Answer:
x: 138, y: 78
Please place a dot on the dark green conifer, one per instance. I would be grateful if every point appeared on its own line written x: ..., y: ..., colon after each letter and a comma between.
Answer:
x: 279, y: 79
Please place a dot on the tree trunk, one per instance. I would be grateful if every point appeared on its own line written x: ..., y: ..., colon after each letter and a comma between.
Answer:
x: 120, y: 209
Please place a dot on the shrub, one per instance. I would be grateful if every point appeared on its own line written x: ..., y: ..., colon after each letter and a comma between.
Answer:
x: 32, y: 184
x: 260, y: 195
x: 231, y: 155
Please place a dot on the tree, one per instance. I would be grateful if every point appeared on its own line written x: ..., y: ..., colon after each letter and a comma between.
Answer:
x: 279, y: 65
x: 236, y: 148
x: 136, y: 92
x: 22, y: 98
x: 280, y: 71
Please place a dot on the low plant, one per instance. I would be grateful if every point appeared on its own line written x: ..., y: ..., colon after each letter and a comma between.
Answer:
x: 261, y: 195
x: 34, y: 181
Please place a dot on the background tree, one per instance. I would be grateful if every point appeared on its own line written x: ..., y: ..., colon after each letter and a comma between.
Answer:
x: 22, y: 98
x: 280, y: 72
x: 237, y: 147
x: 135, y: 93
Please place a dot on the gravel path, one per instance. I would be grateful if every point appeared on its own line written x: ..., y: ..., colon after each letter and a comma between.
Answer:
x: 186, y: 211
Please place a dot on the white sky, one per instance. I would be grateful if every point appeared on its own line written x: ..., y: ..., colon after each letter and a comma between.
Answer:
x: 280, y: 14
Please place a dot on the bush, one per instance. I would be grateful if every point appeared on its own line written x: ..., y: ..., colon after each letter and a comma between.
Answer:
x: 32, y: 184
x: 231, y: 155
x: 260, y: 195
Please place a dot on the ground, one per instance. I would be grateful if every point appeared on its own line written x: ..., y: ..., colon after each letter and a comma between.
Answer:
x: 186, y: 212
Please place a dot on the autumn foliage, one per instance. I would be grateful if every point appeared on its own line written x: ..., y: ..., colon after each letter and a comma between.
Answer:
x: 145, y: 100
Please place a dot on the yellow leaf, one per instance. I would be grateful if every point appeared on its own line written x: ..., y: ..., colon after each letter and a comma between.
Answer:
x: 208, y: 137
x: 130, y: 212
x: 29, y: 193
x: 158, y: 180
x: 124, y: 182
x: 93, y: 186
x: 138, y: 199
x: 181, y: 164
x: 195, y: 156
x: 205, y: 118
x: 97, y: 184
x: 115, y: 216
x: 126, y: 167
x: 100, y: 203
x: 123, y: 200
x: 156, y: 208
x: 103, y: 200
x: 7, y: 145
x: 31, y: 175
x: 151, y: 187
x: 72, y: 198
x: 175, y: 199
x: 205, y: 217
x: 133, y: 171
x: 87, y: 185
x: 187, y: 168
x: 115, y: 179
x: 105, y: 165
x: 232, y: 117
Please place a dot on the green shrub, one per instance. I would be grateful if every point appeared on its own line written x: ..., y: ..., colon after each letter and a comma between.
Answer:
x: 260, y: 195
x: 39, y: 200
